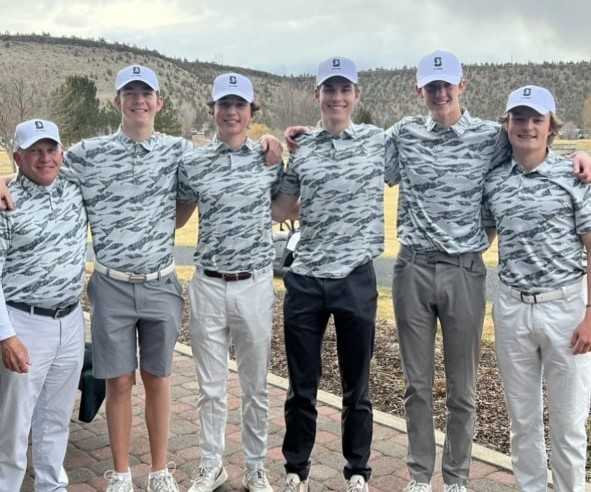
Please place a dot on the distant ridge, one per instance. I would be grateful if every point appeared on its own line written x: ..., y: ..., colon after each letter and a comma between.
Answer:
x: 387, y: 94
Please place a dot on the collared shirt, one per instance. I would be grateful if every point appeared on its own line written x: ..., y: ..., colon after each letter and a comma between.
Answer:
x: 129, y: 191
x: 233, y: 193
x: 540, y: 216
x: 42, y: 246
x: 441, y: 172
x: 340, y: 182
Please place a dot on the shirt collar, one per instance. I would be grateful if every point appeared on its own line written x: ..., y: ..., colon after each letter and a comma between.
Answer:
x: 148, y: 144
x: 220, y: 146
x: 543, y: 168
x: 348, y: 133
x: 459, y: 127
x: 27, y: 184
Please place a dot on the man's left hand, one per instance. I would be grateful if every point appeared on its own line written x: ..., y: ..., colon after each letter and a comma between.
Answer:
x: 274, y: 150
x: 581, y: 339
x: 581, y: 166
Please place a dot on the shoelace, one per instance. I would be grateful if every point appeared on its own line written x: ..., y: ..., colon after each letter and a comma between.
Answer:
x: 417, y: 487
x: 291, y: 485
x: 455, y: 488
x: 355, y: 485
x: 116, y: 484
x: 259, y: 477
x: 164, y: 482
x: 204, y: 473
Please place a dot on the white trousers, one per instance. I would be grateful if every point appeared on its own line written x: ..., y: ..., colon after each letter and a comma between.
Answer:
x: 533, y: 341
x: 238, y: 313
x: 40, y: 402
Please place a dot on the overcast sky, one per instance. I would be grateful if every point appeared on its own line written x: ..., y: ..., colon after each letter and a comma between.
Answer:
x: 292, y: 37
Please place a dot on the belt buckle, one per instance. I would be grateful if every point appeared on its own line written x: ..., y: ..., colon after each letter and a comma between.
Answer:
x: 60, y: 313
x: 137, y: 278
x: 531, y: 296
x: 230, y: 277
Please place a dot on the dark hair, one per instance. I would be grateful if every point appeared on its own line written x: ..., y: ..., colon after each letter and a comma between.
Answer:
x: 254, y: 107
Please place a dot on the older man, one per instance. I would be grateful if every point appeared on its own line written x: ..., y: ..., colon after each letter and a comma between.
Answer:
x: 542, y: 310
x: 42, y: 252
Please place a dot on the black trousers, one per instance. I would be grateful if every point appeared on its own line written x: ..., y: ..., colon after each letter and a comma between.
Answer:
x: 309, y: 302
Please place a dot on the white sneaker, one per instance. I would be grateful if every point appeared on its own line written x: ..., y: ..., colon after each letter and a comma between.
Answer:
x: 162, y: 481
x: 256, y: 481
x: 209, y: 478
x: 357, y: 484
x: 293, y: 483
x: 414, y: 486
x: 118, y: 482
x: 454, y: 488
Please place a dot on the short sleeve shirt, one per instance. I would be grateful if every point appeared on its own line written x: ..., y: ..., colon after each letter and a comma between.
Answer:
x: 43, y: 244
x: 340, y: 183
x: 129, y: 190
x: 233, y: 193
x: 441, y: 172
x: 540, y: 216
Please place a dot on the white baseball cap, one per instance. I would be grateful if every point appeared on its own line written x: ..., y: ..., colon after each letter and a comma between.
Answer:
x: 29, y: 132
x: 232, y: 84
x: 532, y: 96
x: 134, y: 73
x: 336, y: 66
x: 439, y: 65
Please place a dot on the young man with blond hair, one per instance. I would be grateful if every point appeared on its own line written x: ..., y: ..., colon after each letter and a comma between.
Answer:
x: 542, y: 310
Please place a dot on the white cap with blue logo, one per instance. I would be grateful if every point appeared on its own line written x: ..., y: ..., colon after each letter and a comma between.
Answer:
x: 136, y: 73
x: 232, y: 84
x: 537, y: 98
x: 337, y: 66
x: 29, y: 132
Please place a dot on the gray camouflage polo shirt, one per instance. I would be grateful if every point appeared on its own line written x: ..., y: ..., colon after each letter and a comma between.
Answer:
x: 129, y: 191
x: 441, y: 172
x: 233, y: 193
x: 340, y: 182
x: 43, y: 244
x: 539, y: 216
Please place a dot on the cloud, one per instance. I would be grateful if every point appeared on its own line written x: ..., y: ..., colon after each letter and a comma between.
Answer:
x: 292, y: 37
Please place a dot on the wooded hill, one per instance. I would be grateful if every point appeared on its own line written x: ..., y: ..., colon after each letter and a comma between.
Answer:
x: 387, y: 94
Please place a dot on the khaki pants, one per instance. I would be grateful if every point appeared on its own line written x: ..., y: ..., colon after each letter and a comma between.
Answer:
x: 427, y: 287
x: 238, y: 313
x: 40, y: 402
x: 533, y: 340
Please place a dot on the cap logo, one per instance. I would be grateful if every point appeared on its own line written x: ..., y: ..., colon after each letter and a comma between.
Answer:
x: 39, y: 125
x: 233, y: 80
x: 527, y: 92
x: 136, y: 70
x: 437, y: 61
x: 336, y: 63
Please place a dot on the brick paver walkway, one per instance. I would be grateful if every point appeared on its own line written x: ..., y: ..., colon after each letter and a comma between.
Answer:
x: 89, y: 455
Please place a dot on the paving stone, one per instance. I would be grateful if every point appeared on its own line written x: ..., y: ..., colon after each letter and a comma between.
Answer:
x: 89, y: 455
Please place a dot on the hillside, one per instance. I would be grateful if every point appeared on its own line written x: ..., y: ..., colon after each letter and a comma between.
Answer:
x: 387, y: 94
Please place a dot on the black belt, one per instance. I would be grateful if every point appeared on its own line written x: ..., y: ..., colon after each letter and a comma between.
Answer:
x: 228, y: 277
x: 51, y: 313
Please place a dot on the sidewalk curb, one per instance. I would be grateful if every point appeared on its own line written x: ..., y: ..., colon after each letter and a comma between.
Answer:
x: 479, y: 452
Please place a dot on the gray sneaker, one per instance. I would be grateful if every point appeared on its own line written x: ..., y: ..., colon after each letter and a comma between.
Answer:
x: 208, y: 478
x: 117, y: 483
x: 293, y: 483
x: 356, y: 483
x: 256, y: 481
x: 414, y: 486
x: 162, y: 482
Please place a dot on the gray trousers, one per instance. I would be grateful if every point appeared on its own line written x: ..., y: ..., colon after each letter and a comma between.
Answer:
x: 451, y: 288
